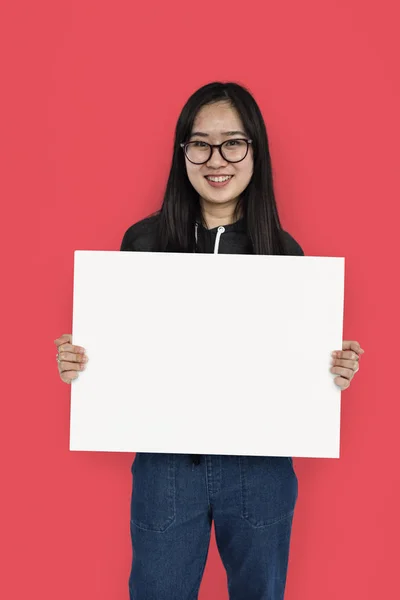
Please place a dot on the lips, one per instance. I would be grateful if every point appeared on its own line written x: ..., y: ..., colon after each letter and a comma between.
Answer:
x: 218, y: 184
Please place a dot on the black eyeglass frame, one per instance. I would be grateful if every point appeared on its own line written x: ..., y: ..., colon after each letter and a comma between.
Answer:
x: 183, y: 145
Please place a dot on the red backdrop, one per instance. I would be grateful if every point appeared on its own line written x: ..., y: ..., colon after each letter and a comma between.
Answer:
x: 91, y: 94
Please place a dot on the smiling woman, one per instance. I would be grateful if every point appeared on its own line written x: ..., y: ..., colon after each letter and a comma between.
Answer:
x: 219, y: 198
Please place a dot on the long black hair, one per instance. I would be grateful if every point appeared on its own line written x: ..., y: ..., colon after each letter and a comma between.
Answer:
x: 257, y: 205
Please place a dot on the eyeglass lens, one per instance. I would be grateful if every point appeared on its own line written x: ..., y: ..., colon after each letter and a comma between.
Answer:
x: 232, y: 151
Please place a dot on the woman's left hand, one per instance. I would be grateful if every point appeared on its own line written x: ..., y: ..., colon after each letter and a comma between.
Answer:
x: 346, y: 363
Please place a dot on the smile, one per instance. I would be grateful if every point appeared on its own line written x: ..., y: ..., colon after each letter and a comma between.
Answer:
x: 219, y: 179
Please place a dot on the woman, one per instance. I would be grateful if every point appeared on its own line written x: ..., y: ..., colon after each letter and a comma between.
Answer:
x: 219, y: 198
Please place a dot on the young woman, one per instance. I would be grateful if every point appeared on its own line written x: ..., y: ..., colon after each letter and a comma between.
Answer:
x: 219, y: 198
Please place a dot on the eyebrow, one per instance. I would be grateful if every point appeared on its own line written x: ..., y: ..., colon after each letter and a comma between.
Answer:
x: 225, y: 133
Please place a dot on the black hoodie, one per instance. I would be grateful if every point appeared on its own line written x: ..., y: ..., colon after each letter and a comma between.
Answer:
x: 227, y: 239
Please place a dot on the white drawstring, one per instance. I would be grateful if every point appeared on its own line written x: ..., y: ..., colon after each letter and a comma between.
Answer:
x: 219, y: 233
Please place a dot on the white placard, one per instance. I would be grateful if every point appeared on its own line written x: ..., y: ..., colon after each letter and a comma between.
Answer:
x: 207, y: 354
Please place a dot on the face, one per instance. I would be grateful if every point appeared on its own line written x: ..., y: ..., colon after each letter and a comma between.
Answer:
x: 215, y: 124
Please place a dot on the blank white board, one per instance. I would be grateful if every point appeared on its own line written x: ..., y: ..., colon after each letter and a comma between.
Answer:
x: 207, y: 354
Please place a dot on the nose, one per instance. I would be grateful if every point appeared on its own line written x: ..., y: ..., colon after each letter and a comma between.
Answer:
x: 216, y: 159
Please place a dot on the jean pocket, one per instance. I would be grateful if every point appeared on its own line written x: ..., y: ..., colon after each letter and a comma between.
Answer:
x: 153, y: 491
x: 269, y: 489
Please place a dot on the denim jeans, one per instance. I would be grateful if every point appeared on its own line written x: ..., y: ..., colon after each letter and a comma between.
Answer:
x: 251, y: 500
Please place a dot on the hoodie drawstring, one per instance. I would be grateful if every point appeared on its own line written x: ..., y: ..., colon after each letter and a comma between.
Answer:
x: 220, y: 231
x: 217, y: 239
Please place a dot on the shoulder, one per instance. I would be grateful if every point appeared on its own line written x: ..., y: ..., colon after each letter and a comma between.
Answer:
x: 141, y: 235
x: 292, y: 247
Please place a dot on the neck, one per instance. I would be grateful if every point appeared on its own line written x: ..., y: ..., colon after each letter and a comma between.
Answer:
x: 215, y: 215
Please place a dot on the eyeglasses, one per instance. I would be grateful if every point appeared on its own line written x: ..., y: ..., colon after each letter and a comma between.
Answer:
x: 232, y: 151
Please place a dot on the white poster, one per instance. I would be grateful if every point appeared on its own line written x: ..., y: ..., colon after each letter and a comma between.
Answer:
x: 207, y: 354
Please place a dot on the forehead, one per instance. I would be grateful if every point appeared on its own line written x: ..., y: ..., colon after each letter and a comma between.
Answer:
x: 217, y: 117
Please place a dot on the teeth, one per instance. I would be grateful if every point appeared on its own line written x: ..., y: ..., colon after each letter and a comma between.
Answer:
x: 219, y: 179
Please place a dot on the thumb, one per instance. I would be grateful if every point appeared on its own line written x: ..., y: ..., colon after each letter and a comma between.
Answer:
x: 66, y: 338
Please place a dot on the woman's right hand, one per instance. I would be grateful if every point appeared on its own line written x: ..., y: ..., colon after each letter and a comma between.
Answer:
x: 72, y: 358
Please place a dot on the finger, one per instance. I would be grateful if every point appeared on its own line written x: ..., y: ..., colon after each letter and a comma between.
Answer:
x: 346, y: 373
x: 72, y: 357
x: 63, y: 339
x: 71, y: 348
x: 70, y: 366
x: 348, y: 355
x: 347, y: 364
x: 69, y: 376
x: 64, y: 343
x: 352, y: 345
x: 342, y: 382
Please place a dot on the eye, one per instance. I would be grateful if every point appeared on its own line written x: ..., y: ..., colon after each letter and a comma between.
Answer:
x: 232, y: 143
x: 199, y: 144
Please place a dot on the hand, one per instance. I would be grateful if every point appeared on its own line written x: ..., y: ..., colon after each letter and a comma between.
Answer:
x: 346, y: 363
x: 72, y: 358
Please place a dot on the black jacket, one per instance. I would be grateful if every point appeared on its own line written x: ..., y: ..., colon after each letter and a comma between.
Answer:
x: 229, y: 239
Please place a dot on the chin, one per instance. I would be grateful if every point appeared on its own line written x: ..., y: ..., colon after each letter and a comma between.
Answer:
x: 219, y: 196
x: 220, y: 200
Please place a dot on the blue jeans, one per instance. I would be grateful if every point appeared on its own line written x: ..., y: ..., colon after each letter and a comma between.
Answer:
x: 251, y: 500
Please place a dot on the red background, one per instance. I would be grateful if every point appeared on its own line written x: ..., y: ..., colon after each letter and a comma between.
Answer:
x: 90, y: 95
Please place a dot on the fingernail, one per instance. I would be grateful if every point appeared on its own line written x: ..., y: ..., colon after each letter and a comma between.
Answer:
x: 334, y: 354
